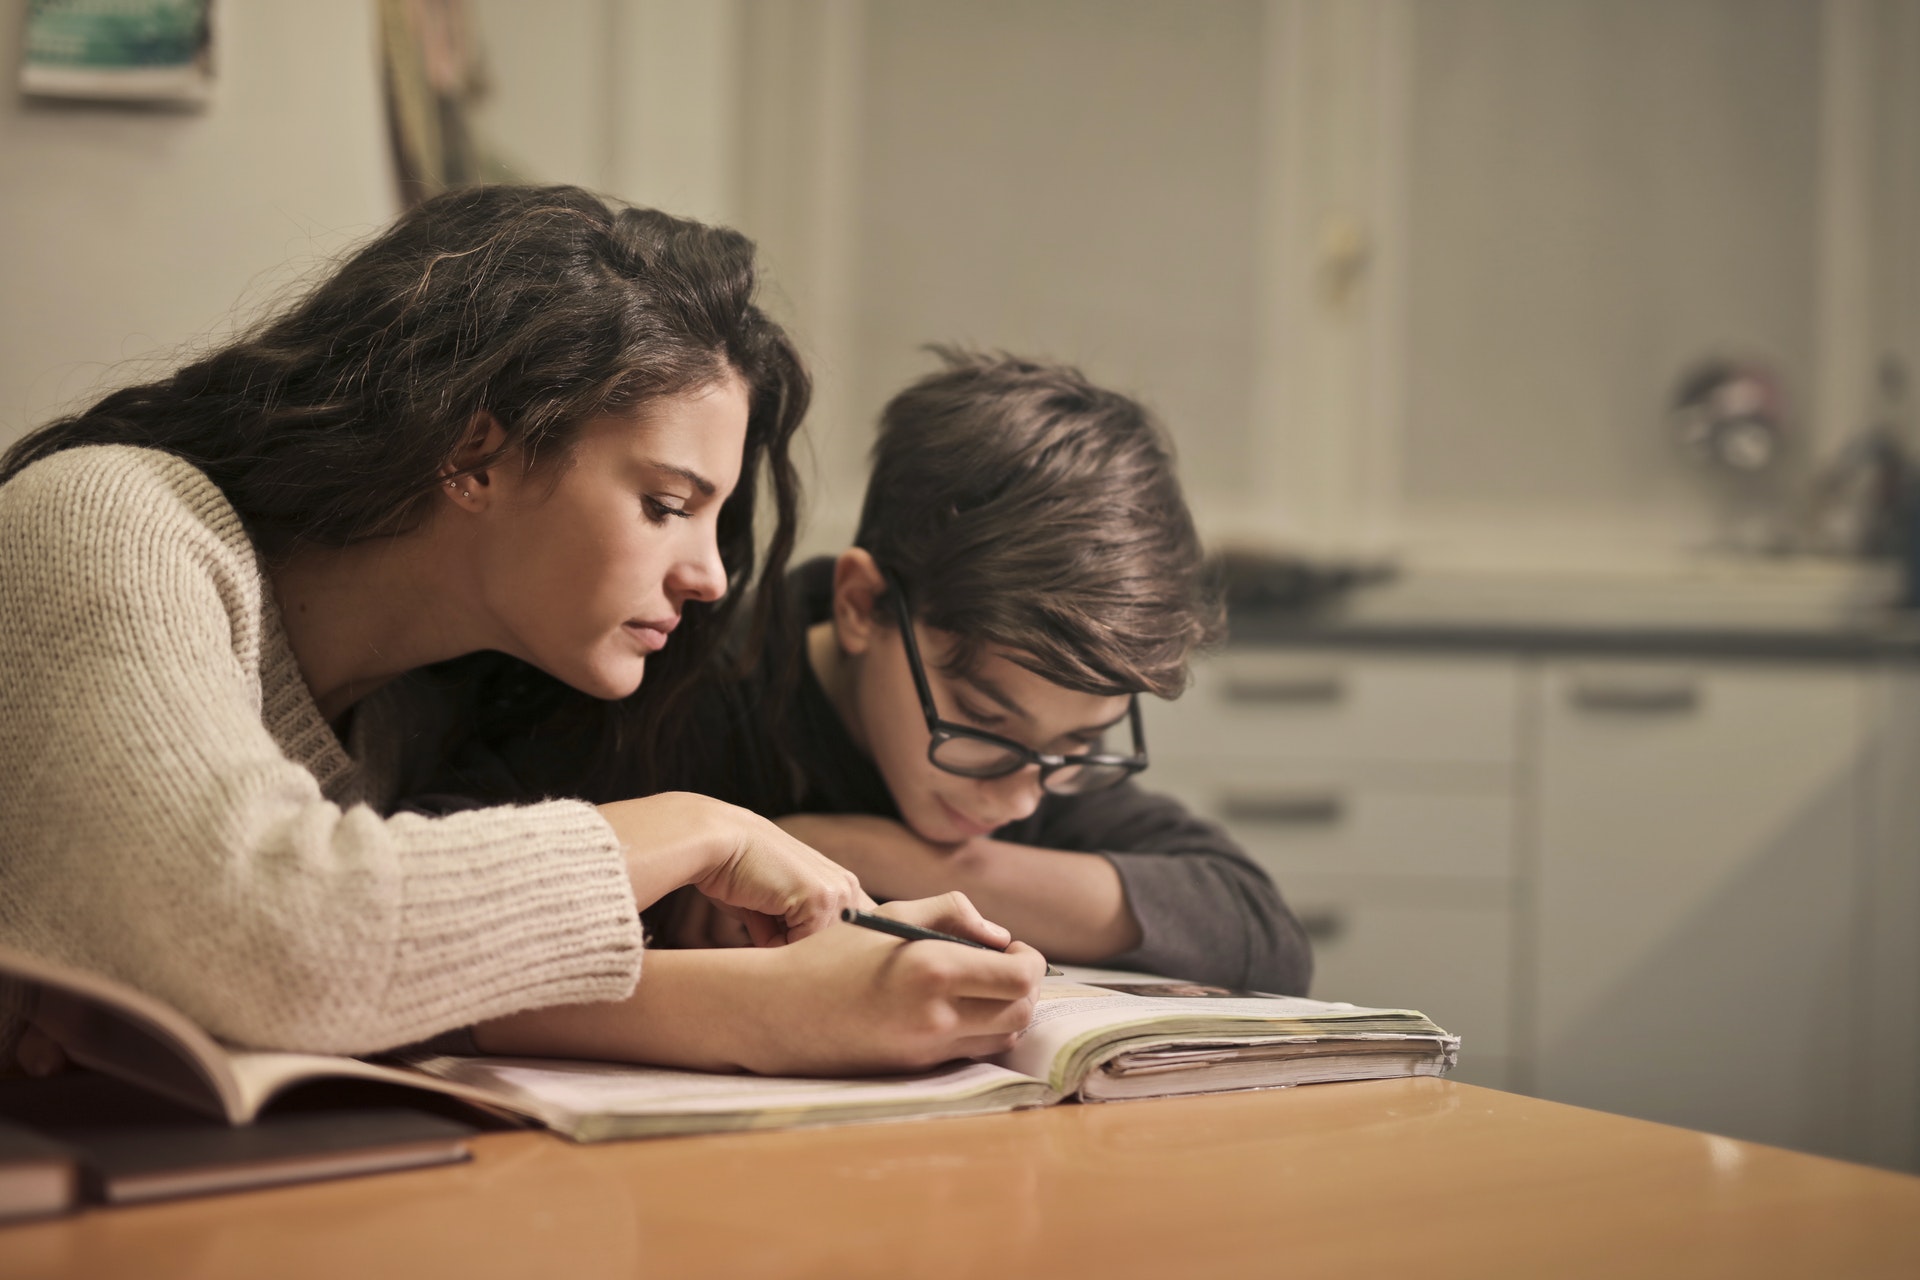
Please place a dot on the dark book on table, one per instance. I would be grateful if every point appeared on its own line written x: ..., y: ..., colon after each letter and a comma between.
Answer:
x: 125, y: 1145
x: 39, y: 1176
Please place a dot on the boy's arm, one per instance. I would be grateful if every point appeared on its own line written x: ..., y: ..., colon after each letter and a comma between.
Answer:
x: 1207, y: 911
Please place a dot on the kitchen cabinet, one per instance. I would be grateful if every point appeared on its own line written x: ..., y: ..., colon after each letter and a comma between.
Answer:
x: 1699, y: 866
x: 1686, y: 889
x: 1379, y: 794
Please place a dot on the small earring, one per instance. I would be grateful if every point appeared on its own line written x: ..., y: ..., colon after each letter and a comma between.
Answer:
x: 463, y: 492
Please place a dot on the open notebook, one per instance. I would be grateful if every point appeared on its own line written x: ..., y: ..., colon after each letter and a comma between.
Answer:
x: 1096, y: 1036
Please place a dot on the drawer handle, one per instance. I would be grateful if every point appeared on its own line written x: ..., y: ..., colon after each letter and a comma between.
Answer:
x: 1653, y: 696
x: 1324, y: 925
x: 1285, y: 808
x: 1311, y: 688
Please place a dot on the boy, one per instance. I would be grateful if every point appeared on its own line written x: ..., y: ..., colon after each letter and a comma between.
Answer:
x: 964, y: 710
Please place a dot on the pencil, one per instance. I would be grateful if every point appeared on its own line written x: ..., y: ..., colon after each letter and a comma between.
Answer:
x: 914, y: 933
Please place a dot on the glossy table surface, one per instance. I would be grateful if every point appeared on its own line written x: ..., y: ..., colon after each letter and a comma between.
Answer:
x: 1396, y: 1178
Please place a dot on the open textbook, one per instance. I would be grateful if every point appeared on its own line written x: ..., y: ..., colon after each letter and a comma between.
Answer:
x: 1097, y: 1035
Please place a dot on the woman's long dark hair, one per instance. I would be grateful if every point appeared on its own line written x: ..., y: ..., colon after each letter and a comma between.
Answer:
x: 542, y: 306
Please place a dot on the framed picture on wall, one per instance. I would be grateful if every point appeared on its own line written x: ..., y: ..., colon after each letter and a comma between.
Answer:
x: 134, y: 51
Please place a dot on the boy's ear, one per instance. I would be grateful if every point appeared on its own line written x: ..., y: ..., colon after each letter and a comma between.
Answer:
x: 463, y: 477
x: 857, y: 587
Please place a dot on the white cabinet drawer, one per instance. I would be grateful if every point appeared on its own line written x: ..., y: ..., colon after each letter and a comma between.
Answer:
x: 1448, y: 955
x: 1303, y: 819
x: 1698, y: 904
x: 1316, y: 705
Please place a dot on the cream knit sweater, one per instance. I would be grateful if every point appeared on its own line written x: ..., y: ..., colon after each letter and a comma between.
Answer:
x: 175, y: 812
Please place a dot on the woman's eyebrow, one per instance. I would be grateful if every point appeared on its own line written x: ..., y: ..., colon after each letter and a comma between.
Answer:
x: 694, y: 478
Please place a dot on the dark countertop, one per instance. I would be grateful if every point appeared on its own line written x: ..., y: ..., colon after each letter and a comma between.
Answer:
x: 1899, y: 642
x: 1604, y: 617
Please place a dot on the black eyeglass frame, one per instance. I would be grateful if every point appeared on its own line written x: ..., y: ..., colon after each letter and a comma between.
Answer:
x: 941, y: 731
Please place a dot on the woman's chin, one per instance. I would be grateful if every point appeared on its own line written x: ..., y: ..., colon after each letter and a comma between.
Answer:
x: 613, y: 681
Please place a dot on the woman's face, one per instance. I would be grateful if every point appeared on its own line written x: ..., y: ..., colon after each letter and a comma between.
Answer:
x: 584, y: 573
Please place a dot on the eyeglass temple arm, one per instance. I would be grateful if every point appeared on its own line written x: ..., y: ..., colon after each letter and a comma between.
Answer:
x: 1139, y: 730
x: 914, y: 664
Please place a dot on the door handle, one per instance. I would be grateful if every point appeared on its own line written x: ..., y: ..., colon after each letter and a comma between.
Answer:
x: 1643, y: 693
x: 1283, y: 688
x: 1284, y: 808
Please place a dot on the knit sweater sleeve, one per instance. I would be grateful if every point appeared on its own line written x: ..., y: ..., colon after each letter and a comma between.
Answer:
x: 156, y: 831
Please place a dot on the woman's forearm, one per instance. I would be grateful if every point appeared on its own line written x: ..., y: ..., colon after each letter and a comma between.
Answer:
x: 676, y: 1017
x: 669, y: 840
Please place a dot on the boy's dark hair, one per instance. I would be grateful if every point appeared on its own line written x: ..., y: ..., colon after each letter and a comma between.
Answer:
x: 1024, y: 508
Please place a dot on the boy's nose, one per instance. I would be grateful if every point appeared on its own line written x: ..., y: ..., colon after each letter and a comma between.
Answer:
x: 1015, y: 796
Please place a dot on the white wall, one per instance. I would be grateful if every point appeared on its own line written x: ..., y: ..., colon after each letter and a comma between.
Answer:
x: 638, y: 99
x: 1551, y: 208
x: 549, y: 68
x: 1413, y: 276
x: 1601, y: 194
x: 125, y: 233
x: 1077, y: 179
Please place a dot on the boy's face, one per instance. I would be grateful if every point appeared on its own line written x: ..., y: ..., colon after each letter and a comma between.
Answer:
x: 997, y: 695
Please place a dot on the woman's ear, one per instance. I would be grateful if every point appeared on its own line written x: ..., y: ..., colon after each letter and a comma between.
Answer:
x: 858, y: 585
x: 464, y: 476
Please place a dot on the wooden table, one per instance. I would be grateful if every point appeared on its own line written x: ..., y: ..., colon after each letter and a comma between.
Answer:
x: 1392, y: 1178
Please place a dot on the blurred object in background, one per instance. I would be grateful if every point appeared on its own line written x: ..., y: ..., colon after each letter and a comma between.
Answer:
x: 434, y: 76
x: 1862, y: 499
x: 1267, y: 582
x: 130, y: 51
x: 1730, y: 418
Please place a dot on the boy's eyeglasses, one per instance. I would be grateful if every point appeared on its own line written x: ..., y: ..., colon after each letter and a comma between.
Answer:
x: 975, y: 753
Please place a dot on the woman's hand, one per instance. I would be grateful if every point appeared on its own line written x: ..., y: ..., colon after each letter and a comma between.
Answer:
x: 888, y: 856
x: 1071, y: 905
x: 852, y: 1001
x: 844, y: 1001
x: 778, y: 888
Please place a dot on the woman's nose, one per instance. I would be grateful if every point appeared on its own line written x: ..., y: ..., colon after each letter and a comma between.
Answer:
x: 701, y: 575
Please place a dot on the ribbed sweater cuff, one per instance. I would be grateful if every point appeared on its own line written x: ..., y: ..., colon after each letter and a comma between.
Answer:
x: 507, y: 909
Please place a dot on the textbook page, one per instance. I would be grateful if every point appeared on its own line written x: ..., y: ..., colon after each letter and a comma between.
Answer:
x: 260, y: 1076
x: 591, y: 1101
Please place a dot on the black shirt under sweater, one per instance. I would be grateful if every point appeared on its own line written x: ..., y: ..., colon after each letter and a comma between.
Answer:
x: 1207, y: 912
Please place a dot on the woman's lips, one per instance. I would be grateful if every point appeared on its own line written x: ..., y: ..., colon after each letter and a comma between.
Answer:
x: 651, y: 635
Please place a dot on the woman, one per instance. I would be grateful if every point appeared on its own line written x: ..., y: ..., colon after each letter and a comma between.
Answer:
x: 518, y: 420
